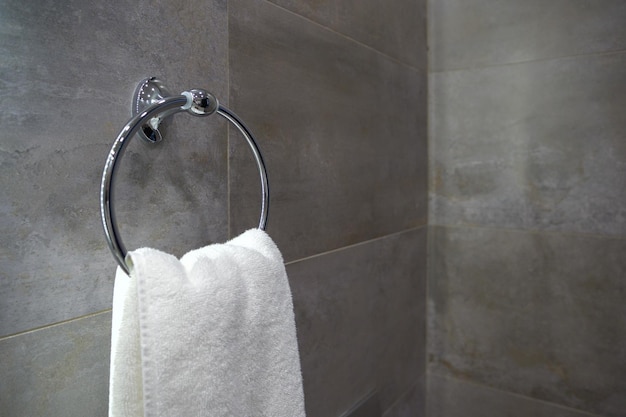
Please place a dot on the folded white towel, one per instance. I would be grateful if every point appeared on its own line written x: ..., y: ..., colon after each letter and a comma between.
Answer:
x: 210, y: 335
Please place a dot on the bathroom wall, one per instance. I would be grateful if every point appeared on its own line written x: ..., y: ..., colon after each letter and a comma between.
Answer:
x: 336, y: 94
x: 527, y: 208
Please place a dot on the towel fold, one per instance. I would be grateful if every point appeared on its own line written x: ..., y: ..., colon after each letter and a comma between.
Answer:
x: 210, y: 335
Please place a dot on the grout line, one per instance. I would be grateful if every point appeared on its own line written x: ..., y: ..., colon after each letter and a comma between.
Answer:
x: 48, y: 326
x: 328, y: 29
x: 528, y: 61
x: 514, y: 394
x: 405, y: 394
x: 365, y: 242
x: 531, y: 231
x: 429, y: 151
x: 354, y: 245
x: 228, y: 195
x: 427, y: 110
x: 427, y: 335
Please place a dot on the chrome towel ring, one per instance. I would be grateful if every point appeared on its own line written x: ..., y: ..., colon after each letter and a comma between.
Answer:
x: 151, y: 104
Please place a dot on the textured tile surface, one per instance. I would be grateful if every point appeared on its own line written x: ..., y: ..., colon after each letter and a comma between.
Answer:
x: 341, y: 127
x: 450, y: 397
x: 412, y: 403
x: 537, y: 314
x: 345, y: 126
x: 360, y: 321
x: 396, y: 28
x: 366, y: 407
x: 471, y: 33
x: 67, y: 74
x: 60, y: 371
x: 534, y: 145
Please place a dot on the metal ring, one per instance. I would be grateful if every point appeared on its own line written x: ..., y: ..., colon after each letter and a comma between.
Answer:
x: 169, y: 105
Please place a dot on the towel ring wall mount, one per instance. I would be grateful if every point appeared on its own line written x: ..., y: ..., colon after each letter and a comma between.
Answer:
x: 152, y: 103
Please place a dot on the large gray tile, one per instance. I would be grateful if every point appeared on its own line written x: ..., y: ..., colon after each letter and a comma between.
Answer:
x: 60, y: 371
x: 534, y: 145
x: 450, y: 397
x: 475, y: 33
x: 67, y: 75
x: 533, y: 313
x: 341, y: 127
x: 396, y: 28
x: 360, y: 320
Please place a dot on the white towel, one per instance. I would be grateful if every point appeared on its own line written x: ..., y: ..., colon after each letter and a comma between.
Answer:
x: 210, y: 335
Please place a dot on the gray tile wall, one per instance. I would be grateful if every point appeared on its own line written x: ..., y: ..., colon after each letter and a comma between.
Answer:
x: 340, y: 112
x: 527, y: 167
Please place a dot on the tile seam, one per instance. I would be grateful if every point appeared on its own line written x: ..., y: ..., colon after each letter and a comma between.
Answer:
x: 354, y: 245
x: 343, y: 35
x: 532, y: 231
x: 515, y: 394
x: 48, y: 326
x: 528, y: 61
x: 402, y: 396
x: 365, y: 242
x: 228, y: 167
